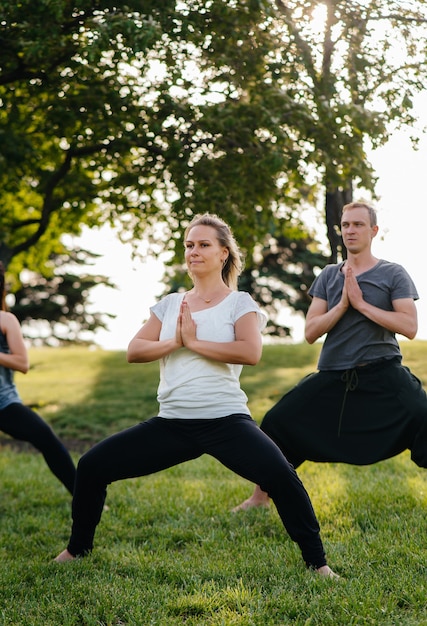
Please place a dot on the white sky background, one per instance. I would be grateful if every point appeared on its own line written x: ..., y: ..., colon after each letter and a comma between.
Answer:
x: 402, y: 238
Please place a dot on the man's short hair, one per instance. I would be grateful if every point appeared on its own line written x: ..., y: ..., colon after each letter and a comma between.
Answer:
x: 362, y: 205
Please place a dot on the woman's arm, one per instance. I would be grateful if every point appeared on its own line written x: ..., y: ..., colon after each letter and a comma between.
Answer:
x: 246, y: 349
x: 146, y: 346
x: 18, y: 358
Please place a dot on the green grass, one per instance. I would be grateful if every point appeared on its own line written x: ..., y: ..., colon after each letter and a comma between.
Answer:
x: 168, y: 550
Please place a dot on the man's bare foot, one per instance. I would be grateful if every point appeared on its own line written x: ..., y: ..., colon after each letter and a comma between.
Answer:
x: 248, y: 504
x: 326, y: 571
x: 64, y: 557
x: 258, y: 498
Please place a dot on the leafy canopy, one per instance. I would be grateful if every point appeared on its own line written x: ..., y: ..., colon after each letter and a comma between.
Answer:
x: 146, y: 113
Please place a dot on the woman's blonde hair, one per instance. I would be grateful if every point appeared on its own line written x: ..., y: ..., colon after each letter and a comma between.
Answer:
x: 233, y: 265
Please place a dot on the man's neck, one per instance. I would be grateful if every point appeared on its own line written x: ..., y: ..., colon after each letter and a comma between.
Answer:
x: 361, y: 262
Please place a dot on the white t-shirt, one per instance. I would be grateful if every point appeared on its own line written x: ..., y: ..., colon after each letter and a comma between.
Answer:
x: 195, y: 387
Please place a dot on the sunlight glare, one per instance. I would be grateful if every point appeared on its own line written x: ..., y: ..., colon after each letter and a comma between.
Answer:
x: 318, y: 18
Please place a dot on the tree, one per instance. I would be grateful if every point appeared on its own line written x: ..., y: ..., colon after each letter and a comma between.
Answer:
x: 357, y: 66
x: 130, y: 117
x: 281, y: 272
x: 54, y: 310
x: 151, y: 112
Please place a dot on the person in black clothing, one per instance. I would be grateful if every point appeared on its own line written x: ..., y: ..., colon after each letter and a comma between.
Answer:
x: 202, y: 338
x: 16, y: 419
x: 362, y: 405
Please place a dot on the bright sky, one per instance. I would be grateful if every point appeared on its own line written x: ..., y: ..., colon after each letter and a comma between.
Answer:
x: 402, y: 215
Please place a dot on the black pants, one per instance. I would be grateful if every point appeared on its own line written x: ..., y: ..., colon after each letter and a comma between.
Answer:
x: 20, y: 422
x: 358, y: 416
x: 154, y: 445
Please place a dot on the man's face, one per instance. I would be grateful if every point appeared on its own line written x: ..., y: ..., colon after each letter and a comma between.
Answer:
x: 356, y: 230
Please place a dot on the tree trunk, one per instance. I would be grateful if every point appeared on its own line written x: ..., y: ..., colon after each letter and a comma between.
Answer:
x: 334, y: 202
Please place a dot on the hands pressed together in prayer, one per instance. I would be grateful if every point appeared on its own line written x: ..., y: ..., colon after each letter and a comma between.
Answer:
x: 185, y: 327
x: 352, y: 293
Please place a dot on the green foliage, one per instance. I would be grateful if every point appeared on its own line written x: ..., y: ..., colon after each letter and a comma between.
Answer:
x: 131, y: 117
x: 53, y: 309
x: 142, y: 115
x: 168, y: 549
x: 281, y: 273
x: 120, y: 116
x: 356, y: 67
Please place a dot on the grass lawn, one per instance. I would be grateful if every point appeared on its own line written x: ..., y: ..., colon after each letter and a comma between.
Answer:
x: 169, y: 551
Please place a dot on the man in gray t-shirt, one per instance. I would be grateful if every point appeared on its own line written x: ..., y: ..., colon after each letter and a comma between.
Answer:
x: 362, y: 405
x: 355, y: 339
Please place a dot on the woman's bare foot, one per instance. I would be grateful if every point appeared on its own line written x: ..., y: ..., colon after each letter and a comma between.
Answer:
x: 258, y: 498
x: 326, y: 571
x: 64, y: 557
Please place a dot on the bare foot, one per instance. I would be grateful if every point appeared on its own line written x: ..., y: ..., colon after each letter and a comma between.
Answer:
x: 258, y: 498
x: 64, y: 557
x: 326, y: 571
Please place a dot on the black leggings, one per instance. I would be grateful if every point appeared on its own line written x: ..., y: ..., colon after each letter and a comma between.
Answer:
x: 20, y: 422
x: 154, y: 445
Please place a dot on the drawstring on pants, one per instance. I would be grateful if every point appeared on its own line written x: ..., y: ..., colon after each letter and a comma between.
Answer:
x: 351, y: 380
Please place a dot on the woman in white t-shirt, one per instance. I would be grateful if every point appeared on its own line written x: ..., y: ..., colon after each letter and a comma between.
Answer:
x: 202, y: 338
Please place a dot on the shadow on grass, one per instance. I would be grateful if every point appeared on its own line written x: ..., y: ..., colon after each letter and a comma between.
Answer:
x: 87, y: 395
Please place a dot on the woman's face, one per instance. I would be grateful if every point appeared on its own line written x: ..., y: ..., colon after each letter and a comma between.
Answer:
x: 203, y: 252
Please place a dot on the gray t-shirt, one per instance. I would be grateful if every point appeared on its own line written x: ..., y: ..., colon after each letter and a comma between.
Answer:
x: 355, y: 339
